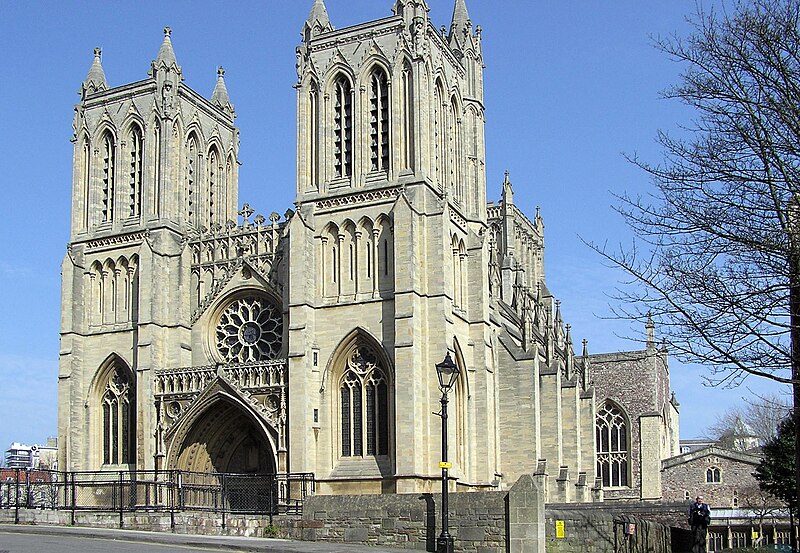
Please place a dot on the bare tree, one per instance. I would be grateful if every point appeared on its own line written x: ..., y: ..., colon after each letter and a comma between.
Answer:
x: 716, y: 258
x: 755, y: 419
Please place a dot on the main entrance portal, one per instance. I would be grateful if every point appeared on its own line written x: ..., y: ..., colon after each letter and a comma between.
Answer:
x: 224, y: 439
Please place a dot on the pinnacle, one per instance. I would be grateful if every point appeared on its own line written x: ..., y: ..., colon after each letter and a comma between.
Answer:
x: 461, y: 25
x: 220, y: 95
x: 96, y: 78
x: 318, y: 20
x: 166, y: 54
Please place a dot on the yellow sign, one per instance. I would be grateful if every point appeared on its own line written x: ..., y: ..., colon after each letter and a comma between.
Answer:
x: 560, y: 529
x: 445, y: 465
x: 755, y: 534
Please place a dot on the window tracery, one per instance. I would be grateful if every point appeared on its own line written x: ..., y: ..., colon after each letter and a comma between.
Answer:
x: 108, y: 178
x: 611, y: 431
x: 713, y: 475
x: 343, y: 128
x: 364, y: 404
x: 379, y: 121
x: 250, y: 329
x: 135, y: 172
x: 118, y: 419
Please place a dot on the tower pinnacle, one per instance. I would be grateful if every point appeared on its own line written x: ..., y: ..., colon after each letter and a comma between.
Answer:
x: 166, y: 54
x: 317, y: 22
x: 220, y: 95
x: 461, y: 25
x: 96, y: 78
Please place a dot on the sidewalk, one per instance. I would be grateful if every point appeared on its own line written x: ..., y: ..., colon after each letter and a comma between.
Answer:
x: 270, y: 545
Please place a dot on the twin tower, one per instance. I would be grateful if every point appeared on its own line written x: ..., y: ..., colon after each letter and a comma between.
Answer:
x: 201, y: 336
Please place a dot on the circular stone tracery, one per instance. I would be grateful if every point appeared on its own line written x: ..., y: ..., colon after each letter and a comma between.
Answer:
x: 250, y: 329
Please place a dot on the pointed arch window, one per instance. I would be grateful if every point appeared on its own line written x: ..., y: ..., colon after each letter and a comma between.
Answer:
x: 364, y: 404
x: 613, y: 456
x: 313, y: 143
x: 135, y: 172
x: 438, y: 134
x: 379, y: 120
x: 214, y: 170
x: 713, y: 475
x: 406, y: 142
x: 118, y: 418
x: 192, y: 166
x: 85, y: 181
x: 107, y: 185
x: 342, y: 127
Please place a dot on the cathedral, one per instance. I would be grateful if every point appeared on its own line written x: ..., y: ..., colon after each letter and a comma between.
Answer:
x: 201, y: 336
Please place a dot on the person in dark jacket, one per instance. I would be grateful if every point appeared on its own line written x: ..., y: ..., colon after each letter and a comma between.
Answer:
x: 699, y: 519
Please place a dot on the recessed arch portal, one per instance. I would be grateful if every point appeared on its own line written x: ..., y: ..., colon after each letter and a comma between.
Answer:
x: 224, y: 438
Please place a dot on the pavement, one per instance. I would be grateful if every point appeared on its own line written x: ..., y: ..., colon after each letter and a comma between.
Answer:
x: 232, y: 543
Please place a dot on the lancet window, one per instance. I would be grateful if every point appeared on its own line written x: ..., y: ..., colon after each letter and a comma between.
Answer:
x: 713, y: 475
x: 611, y: 433
x: 343, y: 127
x: 313, y: 143
x: 439, y: 134
x: 379, y: 120
x: 364, y: 403
x: 406, y: 142
x: 107, y: 185
x: 118, y: 418
x: 192, y: 167
x: 214, y: 171
x: 135, y: 172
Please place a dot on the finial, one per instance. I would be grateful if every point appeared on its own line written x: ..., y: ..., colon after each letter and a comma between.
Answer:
x: 221, y: 72
x: 507, y: 174
x: 167, y: 31
x: 95, y: 80
x: 585, y: 347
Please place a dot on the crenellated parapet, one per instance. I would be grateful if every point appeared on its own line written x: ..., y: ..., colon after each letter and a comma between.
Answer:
x: 222, y: 251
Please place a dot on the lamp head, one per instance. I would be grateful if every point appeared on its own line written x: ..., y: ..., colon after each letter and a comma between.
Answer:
x: 447, y: 371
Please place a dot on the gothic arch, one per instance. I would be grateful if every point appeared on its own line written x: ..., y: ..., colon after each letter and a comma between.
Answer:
x: 340, y: 115
x: 613, y: 444
x: 460, y: 401
x: 373, y: 62
x: 360, y: 377
x: 376, y: 114
x: 111, y: 402
x: 210, y: 436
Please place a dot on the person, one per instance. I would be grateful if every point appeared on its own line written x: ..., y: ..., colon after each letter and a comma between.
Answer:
x: 699, y: 519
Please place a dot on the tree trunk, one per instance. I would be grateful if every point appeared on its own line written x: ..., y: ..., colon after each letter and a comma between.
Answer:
x: 794, y: 302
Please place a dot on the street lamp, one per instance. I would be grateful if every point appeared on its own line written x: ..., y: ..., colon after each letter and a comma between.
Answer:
x: 447, y: 371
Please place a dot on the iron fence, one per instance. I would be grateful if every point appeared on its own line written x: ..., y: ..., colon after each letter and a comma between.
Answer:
x: 172, y: 491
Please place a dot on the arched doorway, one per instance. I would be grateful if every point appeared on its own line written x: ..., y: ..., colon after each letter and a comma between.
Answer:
x: 225, y: 459
x: 225, y: 439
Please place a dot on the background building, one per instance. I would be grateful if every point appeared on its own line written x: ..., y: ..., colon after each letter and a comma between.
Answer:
x: 32, y: 457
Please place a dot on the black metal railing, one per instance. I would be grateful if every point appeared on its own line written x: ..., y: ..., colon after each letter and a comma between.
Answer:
x: 125, y: 491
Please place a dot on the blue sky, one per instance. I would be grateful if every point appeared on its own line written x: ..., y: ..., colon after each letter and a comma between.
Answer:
x: 569, y: 87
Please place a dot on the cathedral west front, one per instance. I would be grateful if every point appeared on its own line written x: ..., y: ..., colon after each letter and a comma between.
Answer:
x: 198, y: 335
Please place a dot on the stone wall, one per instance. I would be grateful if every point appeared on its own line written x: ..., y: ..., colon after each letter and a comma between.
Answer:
x: 600, y: 528
x: 481, y: 522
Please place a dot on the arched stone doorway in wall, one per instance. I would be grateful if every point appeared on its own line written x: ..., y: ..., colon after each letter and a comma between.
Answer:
x: 225, y: 439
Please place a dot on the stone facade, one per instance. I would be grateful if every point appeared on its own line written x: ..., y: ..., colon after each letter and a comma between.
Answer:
x: 724, y: 478
x: 204, y: 337
x: 634, y: 387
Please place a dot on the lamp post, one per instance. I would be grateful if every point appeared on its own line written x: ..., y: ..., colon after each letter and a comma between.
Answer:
x: 447, y: 371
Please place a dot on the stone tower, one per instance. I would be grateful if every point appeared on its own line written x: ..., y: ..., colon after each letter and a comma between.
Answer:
x: 391, y: 213
x: 153, y: 162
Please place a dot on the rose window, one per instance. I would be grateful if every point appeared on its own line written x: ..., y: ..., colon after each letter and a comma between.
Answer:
x: 250, y: 329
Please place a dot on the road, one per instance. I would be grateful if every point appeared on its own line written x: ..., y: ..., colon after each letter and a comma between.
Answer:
x: 53, y: 539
